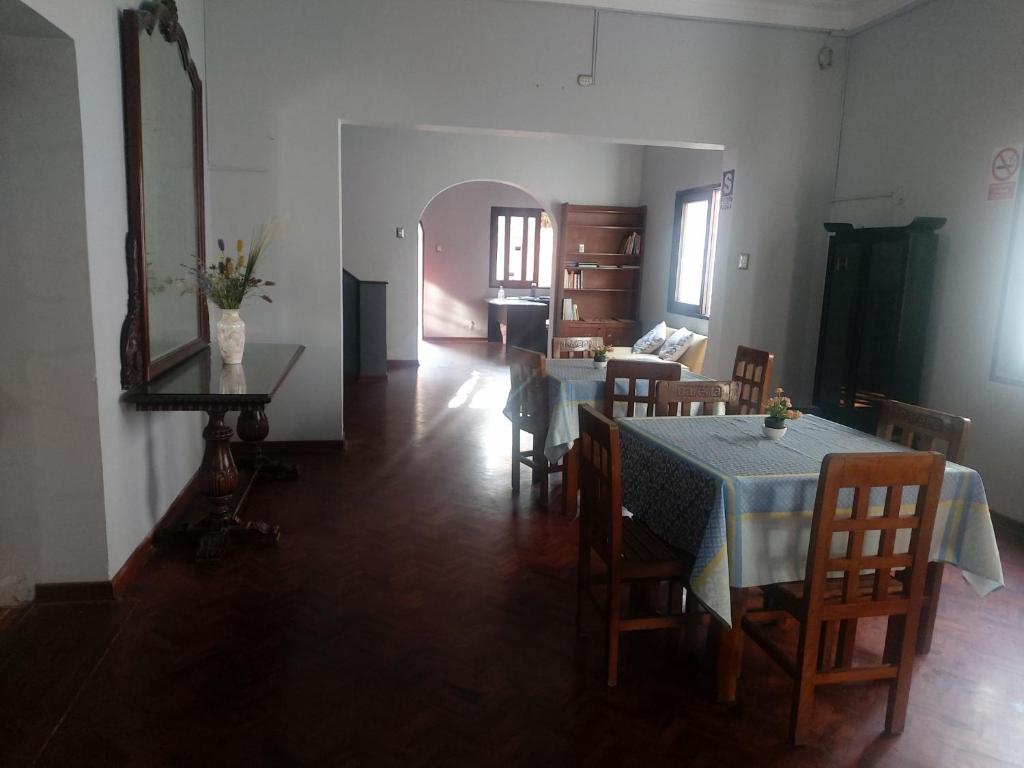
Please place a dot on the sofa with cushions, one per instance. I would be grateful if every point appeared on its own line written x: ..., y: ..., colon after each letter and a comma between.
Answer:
x: 691, y: 356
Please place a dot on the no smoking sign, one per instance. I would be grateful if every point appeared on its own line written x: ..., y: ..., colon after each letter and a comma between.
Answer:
x: 1002, y: 183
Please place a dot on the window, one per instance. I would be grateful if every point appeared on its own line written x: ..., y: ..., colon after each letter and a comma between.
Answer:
x: 693, y: 251
x: 522, y: 248
x: 1008, y: 361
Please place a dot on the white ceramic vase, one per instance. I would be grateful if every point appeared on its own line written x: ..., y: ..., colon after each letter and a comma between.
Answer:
x: 600, y: 364
x: 773, y: 433
x: 231, y: 336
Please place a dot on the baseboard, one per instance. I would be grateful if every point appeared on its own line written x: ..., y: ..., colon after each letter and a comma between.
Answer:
x: 454, y: 338
x: 129, y: 571
x: 75, y: 592
x: 1008, y: 525
x: 403, y: 364
x: 274, y: 447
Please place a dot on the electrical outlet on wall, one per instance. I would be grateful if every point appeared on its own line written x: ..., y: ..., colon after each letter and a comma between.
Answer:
x: 400, y: 233
x: 744, y: 262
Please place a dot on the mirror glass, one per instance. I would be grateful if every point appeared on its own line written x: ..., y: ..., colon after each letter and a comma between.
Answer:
x: 170, y: 239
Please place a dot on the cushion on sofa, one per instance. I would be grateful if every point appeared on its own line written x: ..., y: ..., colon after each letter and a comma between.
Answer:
x: 651, y: 341
x: 675, y: 346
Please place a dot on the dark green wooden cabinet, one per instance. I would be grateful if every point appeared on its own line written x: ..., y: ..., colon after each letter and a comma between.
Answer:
x: 874, y: 318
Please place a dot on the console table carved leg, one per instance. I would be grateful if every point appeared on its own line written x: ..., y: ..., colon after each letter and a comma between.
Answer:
x: 218, y: 479
x: 253, y: 428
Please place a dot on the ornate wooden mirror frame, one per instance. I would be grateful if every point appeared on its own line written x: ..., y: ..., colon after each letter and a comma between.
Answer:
x: 137, y: 363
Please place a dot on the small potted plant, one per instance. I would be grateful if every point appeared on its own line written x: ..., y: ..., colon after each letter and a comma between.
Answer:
x: 601, y: 357
x: 779, y: 410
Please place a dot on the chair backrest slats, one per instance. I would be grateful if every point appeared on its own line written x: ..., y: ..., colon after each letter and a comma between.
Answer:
x: 634, y: 371
x: 872, y: 540
x: 575, y: 346
x: 529, y: 394
x: 753, y: 371
x: 917, y: 427
x: 600, y: 474
x: 676, y: 398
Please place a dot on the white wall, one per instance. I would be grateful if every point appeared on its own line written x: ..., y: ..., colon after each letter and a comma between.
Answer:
x: 147, y: 458
x: 669, y: 170
x: 456, y: 279
x: 931, y: 95
x: 281, y: 76
x: 51, y: 519
x: 390, y: 174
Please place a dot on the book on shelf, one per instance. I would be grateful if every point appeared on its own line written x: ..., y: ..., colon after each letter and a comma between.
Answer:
x: 631, y: 245
x: 567, y: 309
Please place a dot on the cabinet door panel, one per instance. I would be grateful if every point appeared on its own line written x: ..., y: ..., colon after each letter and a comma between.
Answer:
x: 882, y: 304
x: 838, y: 343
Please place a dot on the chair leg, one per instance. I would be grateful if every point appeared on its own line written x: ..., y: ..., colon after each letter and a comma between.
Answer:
x: 693, y: 617
x: 540, y: 475
x: 803, y: 688
x: 582, y: 578
x: 847, y: 642
x: 901, y: 647
x: 827, y: 646
x: 614, y: 613
x: 930, y: 609
x: 515, y: 459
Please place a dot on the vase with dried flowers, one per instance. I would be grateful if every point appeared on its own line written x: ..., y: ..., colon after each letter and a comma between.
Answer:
x: 230, y: 281
x: 778, y: 410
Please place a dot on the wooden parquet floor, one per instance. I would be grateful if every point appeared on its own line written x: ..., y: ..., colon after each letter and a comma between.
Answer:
x: 416, y: 615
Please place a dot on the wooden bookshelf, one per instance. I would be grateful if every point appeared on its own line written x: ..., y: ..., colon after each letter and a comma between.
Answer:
x: 603, y: 280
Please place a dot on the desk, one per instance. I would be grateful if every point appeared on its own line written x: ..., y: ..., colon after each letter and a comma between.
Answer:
x: 525, y: 323
x: 204, y: 383
x: 742, y: 505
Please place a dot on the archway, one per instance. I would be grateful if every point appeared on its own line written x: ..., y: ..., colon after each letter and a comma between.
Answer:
x: 463, y: 259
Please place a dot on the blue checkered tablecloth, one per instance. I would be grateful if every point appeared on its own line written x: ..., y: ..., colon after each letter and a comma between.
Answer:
x: 715, y: 487
x: 572, y: 382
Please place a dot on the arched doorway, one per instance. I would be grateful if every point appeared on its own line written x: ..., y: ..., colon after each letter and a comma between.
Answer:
x: 478, y: 237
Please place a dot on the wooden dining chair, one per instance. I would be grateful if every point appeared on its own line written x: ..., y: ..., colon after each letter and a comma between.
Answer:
x: 867, y: 587
x: 630, y: 552
x: 634, y: 372
x: 753, y: 371
x: 926, y: 430
x: 677, y: 398
x: 575, y: 346
x: 529, y: 412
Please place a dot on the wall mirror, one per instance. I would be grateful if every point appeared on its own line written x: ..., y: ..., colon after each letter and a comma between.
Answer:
x: 167, y: 319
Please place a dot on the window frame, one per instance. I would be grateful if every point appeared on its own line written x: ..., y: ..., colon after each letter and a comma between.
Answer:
x: 696, y: 194
x: 496, y: 213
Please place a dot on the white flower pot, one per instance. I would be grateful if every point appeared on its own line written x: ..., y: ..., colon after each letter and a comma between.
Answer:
x: 772, y: 433
x: 231, y: 336
x: 600, y: 364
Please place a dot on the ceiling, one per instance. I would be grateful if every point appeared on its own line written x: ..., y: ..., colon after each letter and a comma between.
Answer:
x: 833, y: 15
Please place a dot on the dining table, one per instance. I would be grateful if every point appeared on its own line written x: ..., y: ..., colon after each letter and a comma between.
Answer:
x: 573, y: 382
x: 741, y: 504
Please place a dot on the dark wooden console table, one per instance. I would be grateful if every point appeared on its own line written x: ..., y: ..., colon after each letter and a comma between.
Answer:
x: 204, y: 383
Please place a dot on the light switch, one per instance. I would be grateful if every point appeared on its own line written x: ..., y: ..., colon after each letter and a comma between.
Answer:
x: 744, y: 261
x: 400, y: 233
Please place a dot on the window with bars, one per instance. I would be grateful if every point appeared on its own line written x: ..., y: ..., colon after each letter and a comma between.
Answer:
x: 694, y: 237
x: 522, y: 248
